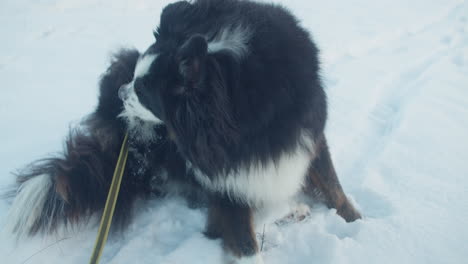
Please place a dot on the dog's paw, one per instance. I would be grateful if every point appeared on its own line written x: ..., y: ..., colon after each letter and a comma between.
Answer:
x: 301, y: 212
x: 348, y: 212
x: 298, y: 213
x: 254, y: 259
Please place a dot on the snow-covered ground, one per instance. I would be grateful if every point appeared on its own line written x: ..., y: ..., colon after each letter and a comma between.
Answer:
x: 396, y: 73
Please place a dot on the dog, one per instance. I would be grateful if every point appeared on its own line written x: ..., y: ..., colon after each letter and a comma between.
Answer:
x: 226, y: 108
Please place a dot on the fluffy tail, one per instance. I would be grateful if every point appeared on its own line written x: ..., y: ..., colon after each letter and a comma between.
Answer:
x: 73, y: 186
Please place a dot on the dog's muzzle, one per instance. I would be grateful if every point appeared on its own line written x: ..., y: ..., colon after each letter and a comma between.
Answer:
x: 133, y: 107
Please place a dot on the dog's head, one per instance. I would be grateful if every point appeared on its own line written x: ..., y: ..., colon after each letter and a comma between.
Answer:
x: 183, y: 87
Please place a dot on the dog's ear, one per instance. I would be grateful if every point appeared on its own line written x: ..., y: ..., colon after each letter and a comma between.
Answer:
x: 191, y: 58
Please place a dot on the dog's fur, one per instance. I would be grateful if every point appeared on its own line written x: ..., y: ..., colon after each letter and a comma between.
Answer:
x: 226, y: 108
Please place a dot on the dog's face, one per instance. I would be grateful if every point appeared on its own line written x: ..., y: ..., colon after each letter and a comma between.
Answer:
x: 183, y: 88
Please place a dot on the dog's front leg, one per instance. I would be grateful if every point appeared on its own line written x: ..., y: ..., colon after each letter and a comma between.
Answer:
x: 233, y: 223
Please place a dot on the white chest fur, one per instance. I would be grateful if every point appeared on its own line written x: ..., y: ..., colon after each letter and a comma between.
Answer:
x: 262, y: 184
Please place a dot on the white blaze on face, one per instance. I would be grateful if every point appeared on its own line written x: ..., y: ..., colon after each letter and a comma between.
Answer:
x: 143, y: 65
x: 132, y: 105
x: 233, y: 40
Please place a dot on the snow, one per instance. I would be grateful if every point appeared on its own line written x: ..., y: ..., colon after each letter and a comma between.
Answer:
x: 396, y: 74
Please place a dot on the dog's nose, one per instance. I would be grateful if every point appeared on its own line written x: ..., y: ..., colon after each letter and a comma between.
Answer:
x: 124, y: 91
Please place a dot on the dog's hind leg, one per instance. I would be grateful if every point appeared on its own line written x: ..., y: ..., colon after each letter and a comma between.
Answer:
x: 322, y: 181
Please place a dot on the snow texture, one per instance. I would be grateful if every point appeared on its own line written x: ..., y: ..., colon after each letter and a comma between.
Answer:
x: 396, y: 73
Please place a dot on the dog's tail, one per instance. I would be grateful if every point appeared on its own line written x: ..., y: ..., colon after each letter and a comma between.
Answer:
x: 73, y: 186
x: 61, y: 189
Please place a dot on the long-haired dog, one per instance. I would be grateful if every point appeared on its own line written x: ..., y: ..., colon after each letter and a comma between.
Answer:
x: 226, y: 107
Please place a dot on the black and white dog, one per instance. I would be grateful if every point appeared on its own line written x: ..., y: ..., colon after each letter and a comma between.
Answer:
x: 226, y: 107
